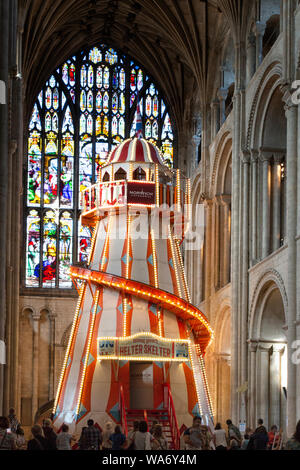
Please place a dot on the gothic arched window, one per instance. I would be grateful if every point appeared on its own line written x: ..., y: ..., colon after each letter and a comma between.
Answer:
x: 84, y: 110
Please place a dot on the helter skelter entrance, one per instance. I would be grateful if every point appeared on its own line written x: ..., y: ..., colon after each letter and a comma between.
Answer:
x: 134, y: 305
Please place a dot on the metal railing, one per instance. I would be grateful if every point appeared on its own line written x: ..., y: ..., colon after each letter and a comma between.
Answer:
x: 172, y: 417
x: 123, y: 412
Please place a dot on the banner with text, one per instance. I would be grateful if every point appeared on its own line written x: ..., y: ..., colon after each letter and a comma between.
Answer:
x: 143, y: 347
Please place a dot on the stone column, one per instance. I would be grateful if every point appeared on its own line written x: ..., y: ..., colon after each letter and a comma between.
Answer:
x: 251, y: 56
x: 275, y: 385
x: 216, y: 257
x: 196, y: 142
x: 291, y: 199
x: 266, y: 219
x: 35, y: 365
x: 245, y: 266
x: 52, y: 317
x: 225, y: 266
x: 215, y: 118
x: 222, y: 95
x: 208, y: 250
x: 259, y: 32
x: 252, y: 385
x: 254, y: 198
x: 4, y: 64
x: 263, y: 384
x: 276, y: 216
x: 235, y: 254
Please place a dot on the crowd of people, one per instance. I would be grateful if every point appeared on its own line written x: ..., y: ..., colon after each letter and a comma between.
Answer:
x: 196, y: 437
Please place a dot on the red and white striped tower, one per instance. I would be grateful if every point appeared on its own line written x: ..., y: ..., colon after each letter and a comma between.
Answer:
x: 134, y: 307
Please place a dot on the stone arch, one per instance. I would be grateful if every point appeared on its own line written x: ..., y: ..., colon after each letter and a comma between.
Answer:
x: 27, y: 308
x: 223, y: 149
x: 220, y: 329
x: 268, y: 351
x: 65, y: 336
x: 273, y: 73
x: 222, y: 362
x: 269, y: 277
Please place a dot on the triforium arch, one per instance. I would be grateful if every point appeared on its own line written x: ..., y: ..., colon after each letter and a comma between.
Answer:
x: 221, y: 212
x: 267, y: 388
x: 267, y: 147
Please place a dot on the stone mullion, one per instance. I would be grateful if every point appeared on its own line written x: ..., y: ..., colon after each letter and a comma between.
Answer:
x: 227, y: 217
x: 216, y: 262
x: 35, y: 364
x: 276, y: 216
x: 254, y: 198
x: 52, y: 356
x: 266, y: 216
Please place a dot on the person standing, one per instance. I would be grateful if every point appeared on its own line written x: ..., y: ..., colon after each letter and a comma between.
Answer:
x: 118, y: 439
x: 274, y: 438
x: 39, y: 442
x: 142, y: 439
x: 92, y: 436
x: 159, y: 442
x: 63, y: 439
x: 20, y: 439
x: 49, y: 433
x: 233, y: 433
x: 219, y: 437
x: 7, y: 439
x: 13, y: 421
x: 246, y: 439
x: 131, y: 435
x: 260, y: 438
x: 198, y: 436
x: 294, y: 442
x: 108, y: 431
x: 81, y: 442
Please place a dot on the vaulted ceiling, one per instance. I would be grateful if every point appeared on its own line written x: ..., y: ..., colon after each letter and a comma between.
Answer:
x: 177, y: 41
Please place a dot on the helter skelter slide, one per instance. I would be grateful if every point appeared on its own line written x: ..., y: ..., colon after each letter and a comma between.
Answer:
x: 137, y: 343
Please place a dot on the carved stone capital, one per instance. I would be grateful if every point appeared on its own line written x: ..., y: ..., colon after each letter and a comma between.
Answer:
x: 196, y: 139
x: 35, y: 316
x: 222, y: 94
x: 265, y: 156
x: 225, y: 199
x: 254, y: 155
x: 245, y: 156
x: 260, y: 28
x: 278, y: 157
x: 252, y: 345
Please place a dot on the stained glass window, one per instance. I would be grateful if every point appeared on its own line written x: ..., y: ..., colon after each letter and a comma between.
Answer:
x: 86, y: 108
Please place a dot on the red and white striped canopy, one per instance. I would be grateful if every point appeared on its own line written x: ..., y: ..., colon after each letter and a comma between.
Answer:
x: 135, y: 150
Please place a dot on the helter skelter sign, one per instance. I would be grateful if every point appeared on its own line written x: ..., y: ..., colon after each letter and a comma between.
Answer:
x: 143, y: 347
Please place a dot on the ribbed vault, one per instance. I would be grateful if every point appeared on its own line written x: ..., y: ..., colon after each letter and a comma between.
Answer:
x: 177, y: 41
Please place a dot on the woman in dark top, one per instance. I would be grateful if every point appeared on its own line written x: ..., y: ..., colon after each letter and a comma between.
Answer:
x: 117, y: 439
x: 38, y: 442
